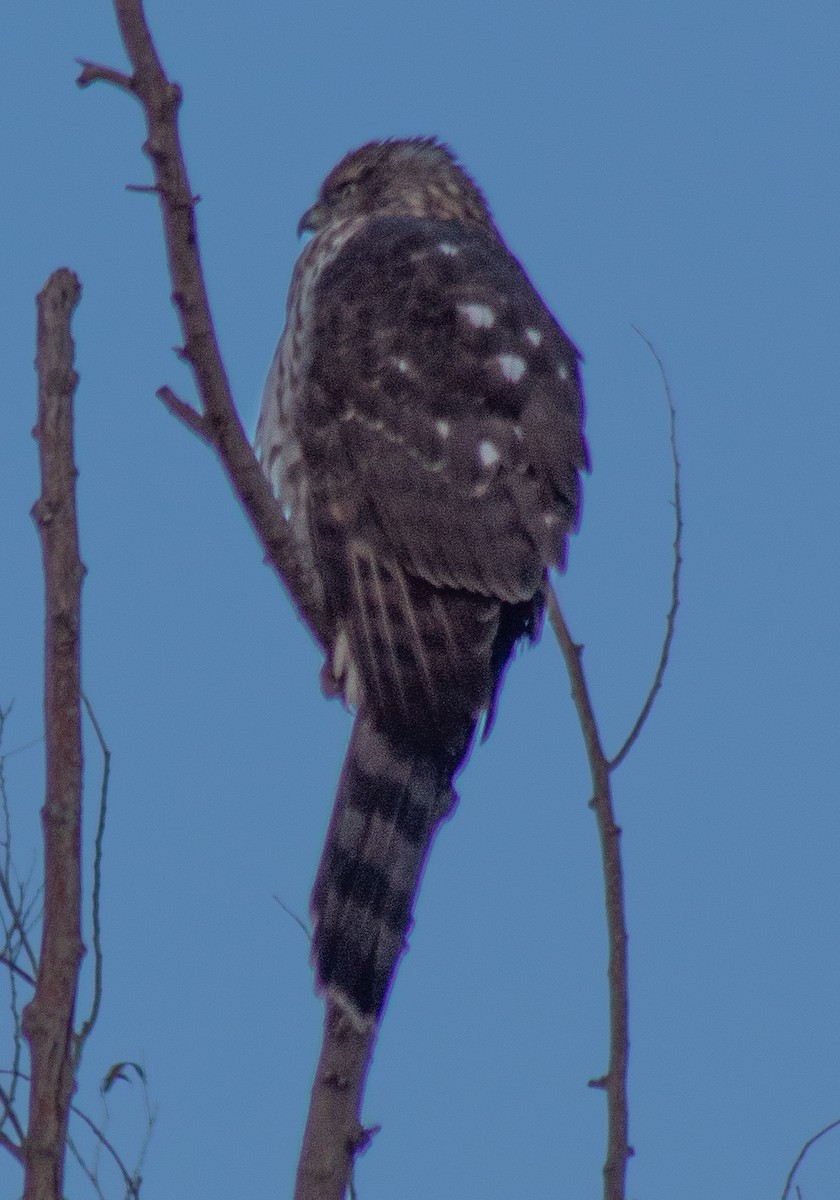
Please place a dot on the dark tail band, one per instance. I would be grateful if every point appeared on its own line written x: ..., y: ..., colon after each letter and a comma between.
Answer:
x: 391, y: 798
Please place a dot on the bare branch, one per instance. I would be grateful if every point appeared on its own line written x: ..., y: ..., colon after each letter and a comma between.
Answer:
x: 671, y: 619
x: 89, y: 1172
x: 95, y: 73
x: 219, y: 422
x: 48, y: 1017
x: 16, y: 942
x: 11, y: 1116
x: 12, y: 1147
x: 801, y: 1155
x: 334, y: 1135
x: 298, y: 920
x: 12, y: 966
x: 17, y: 915
x: 98, y: 959
x: 614, y: 1083
x: 186, y: 414
x: 130, y: 1183
x: 26, y: 746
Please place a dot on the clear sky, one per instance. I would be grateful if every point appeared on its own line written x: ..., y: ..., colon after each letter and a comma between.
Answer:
x: 670, y: 165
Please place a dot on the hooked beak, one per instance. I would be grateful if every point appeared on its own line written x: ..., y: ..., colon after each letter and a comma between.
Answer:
x: 312, y: 220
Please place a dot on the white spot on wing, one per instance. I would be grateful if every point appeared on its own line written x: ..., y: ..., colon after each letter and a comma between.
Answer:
x: 402, y: 365
x: 513, y: 367
x: 447, y: 248
x: 341, y: 654
x: 344, y: 670
x: 517, y: 429
x: 534, y: 336
x: 480, y: 316
x: 550, y: 519
x: 276, y: 478
x: 352, y: 690
x: 443, y: 428
x: 488, y: 454
x: 563, y: 372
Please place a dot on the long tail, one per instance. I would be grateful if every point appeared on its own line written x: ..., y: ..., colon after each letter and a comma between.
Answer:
x: 391, y: 798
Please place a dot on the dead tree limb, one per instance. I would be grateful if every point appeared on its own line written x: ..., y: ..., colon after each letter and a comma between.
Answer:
x: 334, y: 1135
x: 216, y: 421
x: 614, y: 1083
x: 48, y: 1017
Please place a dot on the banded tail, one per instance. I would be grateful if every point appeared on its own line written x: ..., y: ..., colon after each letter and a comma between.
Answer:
x: 391, y: 797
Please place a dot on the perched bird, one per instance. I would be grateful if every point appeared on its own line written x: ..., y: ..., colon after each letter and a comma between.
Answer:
x: 422, y: 428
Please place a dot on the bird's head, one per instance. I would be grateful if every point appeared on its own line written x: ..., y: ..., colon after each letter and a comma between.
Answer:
x: 418, y: 177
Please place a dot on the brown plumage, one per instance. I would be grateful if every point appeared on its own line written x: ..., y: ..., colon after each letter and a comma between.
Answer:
x: 422, y: 427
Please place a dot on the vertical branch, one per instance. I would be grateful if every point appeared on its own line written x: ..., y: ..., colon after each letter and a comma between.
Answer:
x: 614, y: 1083
x: 334, y: 1134
x: 48, y: 1018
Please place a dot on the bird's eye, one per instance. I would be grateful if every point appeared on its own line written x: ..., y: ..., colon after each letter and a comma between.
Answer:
x: 346, y: 189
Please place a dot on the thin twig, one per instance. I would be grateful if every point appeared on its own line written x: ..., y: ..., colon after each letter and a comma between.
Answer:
x: 12, y: 1147
x: 298, y: 920
x: 11, y: 1116
x: 98, y: 960
x: 91, y: 1173
x: 95, y: 73
x: 12, y: 966
x: 186, y: 414
x: 16, y: 941
x: 614, y: 1083
x: 16, y: 914
x: 129, y: 1180
x: 671, y: 619
x: 151, y: 1118
x: 801, y: 1155
x: 130, y: 1183
x: 18, y: 918
x: 48, y: 1017
x: 218, y: 422
x: 38, y: 741
x: 7, y: 819
x: 13, y: 948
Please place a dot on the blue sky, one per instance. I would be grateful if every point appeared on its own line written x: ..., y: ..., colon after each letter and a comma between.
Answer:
x: 673, y: 166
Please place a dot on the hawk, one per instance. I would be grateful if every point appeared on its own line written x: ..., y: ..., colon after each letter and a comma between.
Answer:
x: 422, y: 428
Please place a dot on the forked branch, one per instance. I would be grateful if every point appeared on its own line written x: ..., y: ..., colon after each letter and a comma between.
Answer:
x: 216, y: 420
x: 614, y: 1083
